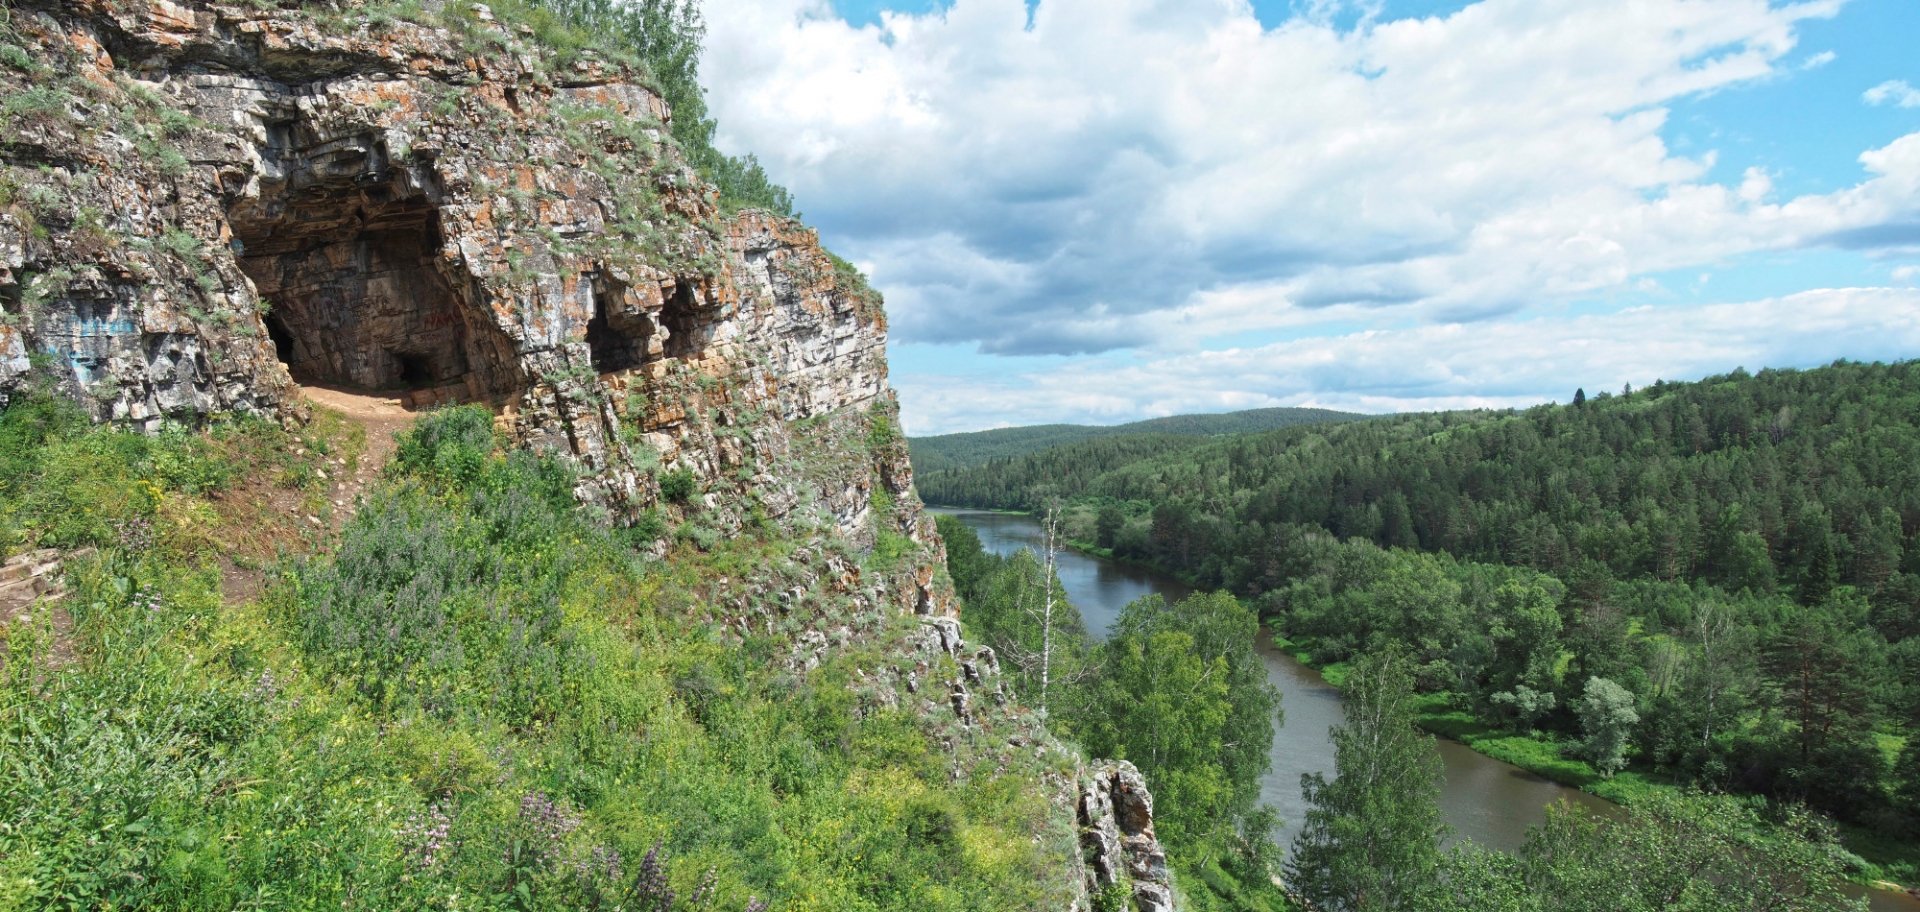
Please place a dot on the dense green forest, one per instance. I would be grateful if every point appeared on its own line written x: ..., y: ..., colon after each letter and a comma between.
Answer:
x: 979, y: 448
x: 1178, y: 689
x: 1735, y: 559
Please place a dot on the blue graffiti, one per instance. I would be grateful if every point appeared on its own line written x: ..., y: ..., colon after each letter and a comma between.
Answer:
x: 90, y: 327
x: 84, y: 365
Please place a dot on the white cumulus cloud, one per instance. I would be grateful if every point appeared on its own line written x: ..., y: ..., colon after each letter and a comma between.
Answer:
x: 1154, y: 178
x: 1490, y: 364
x: 1894, y: 92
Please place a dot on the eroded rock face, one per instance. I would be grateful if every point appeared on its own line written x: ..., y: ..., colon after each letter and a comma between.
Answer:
x: 1116, y: 827
x: 215, y: 201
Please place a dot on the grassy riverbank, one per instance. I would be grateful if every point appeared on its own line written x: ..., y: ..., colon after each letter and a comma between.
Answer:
x: 1883, y: 862
x: 1879, y: 860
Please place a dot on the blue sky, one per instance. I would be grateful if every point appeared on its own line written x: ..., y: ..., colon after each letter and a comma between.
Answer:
x: 1104, y: 210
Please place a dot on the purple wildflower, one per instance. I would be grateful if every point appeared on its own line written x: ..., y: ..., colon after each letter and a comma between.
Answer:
x: 264, y: 688
x: 136, y: 535
x: 426, y: 837
x: 650, y: 890
x: 550, y: 820
x: 704, y: 892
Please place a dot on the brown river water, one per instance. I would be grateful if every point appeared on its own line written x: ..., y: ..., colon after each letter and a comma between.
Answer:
x: 1483, y: 799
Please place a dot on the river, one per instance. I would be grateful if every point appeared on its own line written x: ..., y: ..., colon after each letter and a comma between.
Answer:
x: 1483, y: 799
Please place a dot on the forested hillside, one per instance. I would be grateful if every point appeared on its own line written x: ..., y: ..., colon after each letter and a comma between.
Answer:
x: 1737, y: 555
x: 980, y: 448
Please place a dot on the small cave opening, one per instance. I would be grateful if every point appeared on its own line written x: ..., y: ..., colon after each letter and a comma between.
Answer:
x: 414, y: 371
x: 682, y: 322
x: 617, y: 342
x: 283, y: 344
x: 350, y: 259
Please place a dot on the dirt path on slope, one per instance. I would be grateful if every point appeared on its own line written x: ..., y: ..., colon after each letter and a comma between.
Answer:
x: 381, y: 418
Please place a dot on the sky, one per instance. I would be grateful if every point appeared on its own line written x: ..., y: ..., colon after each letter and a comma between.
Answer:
x: 1098, y: 211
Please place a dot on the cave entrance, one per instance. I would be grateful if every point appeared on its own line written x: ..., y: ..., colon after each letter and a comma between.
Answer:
x: 349, y: 258
x: 682, y: 323
x: 415, y: 371
x: 623, y: 340
x: 283, y: 346
x: 617, y: 342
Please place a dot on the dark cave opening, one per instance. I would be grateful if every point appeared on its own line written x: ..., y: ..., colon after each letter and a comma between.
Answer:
x: 684, y: 338
x: 350, y: 257
x: 283, y: 346
x: 362, y: 305
x: 617, y: 347
x: 414, y: 371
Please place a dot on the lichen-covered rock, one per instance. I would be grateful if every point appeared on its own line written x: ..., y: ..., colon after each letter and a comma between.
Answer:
x: 1116, y: 827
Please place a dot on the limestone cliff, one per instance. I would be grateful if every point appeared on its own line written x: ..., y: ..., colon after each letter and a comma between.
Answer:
x: 205, y: 205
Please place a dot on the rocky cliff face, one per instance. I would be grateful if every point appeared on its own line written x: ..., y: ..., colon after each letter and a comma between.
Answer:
x: 205, y: 205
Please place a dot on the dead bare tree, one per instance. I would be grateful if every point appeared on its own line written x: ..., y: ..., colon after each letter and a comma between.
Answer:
x: 1052, y: 528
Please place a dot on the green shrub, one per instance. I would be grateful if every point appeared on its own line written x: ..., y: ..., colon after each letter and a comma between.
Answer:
x: 647, y: 528
x: 16, y: 57
x: 449, y: 447
x: 882, y: 430
x: 677, y: 486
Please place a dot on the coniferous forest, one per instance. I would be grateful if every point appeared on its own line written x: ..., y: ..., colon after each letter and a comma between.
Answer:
x: 1711, y: 584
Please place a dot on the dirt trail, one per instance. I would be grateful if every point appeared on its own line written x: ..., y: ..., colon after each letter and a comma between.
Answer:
x: 382, y: 417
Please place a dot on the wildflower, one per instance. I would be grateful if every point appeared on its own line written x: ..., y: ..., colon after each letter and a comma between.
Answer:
x: 650, y: 890
x: 550, y: 820
x: 264, y: 688
x: 704, y: 891
x: 426, y: 837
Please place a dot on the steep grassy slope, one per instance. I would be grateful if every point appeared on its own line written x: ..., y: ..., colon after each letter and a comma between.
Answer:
x: 476, y: 697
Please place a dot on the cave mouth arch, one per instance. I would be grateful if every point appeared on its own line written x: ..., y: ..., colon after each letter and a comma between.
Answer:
x: 346, y: 254
x: 620, y: 339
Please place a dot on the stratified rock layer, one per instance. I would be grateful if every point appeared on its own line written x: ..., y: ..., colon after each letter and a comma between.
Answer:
x: 206, y: 205
x: 214, y: 200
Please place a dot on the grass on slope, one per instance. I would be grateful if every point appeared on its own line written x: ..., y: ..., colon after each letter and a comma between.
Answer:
x: 480, y: 700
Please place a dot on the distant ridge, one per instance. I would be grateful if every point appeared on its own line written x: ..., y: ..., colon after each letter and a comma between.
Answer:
x: 962, y: 451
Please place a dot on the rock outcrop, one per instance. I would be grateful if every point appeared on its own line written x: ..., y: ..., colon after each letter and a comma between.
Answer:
x: 206, y: 205
x: 1116, y: 826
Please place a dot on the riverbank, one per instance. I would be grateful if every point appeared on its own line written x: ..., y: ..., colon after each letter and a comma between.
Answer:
x: 1883, y: 863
